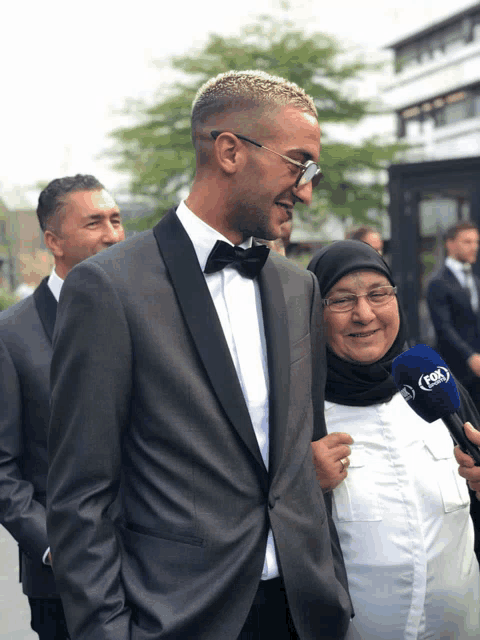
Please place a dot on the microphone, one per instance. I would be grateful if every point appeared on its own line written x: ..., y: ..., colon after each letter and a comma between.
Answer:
x: 426, y: 383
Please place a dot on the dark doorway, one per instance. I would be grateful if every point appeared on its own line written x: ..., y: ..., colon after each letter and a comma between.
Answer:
x: 425, y: 199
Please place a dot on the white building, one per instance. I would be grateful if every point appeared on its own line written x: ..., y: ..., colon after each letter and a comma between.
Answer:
x: 435, y: 93
x: 436, y: 90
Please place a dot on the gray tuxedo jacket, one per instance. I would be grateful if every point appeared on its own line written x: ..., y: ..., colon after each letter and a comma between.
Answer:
x: 25, y: 351
x: 147, y: 407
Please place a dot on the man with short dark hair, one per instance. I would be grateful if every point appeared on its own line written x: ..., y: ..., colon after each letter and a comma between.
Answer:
x: 367, y: 234
x: 78, y: 218
x: 453, y: 301
x: 198, y: 370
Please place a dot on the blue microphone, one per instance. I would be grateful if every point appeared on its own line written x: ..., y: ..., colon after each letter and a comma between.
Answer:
x: 426, y: 383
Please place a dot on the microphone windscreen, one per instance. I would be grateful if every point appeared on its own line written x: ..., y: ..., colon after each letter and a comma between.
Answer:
x: 426, y: 383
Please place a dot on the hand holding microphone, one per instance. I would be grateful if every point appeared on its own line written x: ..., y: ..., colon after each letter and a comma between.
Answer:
x: 425, y: 382
x: 467, y: 468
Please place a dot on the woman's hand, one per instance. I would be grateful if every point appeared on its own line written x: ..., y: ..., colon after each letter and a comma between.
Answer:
x: 330, y: 456
x: 467, y: 468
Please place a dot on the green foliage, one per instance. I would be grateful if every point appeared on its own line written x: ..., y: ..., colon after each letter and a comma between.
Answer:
x: 158, y: 154
x: 6, y: 299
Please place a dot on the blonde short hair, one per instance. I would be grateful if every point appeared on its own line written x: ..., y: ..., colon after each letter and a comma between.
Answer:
x: 239, y: 90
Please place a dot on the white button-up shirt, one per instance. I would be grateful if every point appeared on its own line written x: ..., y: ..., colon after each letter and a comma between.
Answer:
x: 404, y: 524
x: 239, y: 308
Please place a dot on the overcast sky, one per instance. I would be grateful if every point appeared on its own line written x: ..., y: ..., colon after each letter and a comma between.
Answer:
x: 67, y: 68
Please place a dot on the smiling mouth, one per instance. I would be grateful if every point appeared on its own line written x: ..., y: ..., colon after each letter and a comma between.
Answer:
x: 363, y: 335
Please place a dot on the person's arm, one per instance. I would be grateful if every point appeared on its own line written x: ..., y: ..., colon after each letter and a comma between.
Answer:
x: 443, y: 322
x: 319, y: 371
x: 467, y: 468
x: 22, y: 515
x: 91, y: 386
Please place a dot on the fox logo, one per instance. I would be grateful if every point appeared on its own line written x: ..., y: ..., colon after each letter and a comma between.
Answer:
x: 429, y: 380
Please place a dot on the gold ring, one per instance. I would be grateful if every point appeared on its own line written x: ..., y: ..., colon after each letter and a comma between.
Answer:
x: 344, y: 462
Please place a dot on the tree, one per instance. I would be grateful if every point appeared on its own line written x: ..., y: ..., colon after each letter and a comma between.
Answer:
x: 158, y: 153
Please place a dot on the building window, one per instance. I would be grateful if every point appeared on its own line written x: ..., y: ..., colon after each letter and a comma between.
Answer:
x: 476, y: 31
x: 3, y: 232
x: 439, y: 112
x: 437, y: 44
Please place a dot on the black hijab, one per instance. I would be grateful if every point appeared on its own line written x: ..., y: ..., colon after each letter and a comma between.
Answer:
x: 351, y: 383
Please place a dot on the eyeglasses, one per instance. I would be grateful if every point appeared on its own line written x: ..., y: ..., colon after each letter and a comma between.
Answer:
x: 309, y: 172
x: 376, y: 298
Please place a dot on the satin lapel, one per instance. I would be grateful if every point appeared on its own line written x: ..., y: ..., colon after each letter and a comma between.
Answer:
x: 278, y: 350
x: 202, y: 320
x: 46, y: 306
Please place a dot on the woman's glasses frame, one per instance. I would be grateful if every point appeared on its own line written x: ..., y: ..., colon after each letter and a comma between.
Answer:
x: 346, y: 302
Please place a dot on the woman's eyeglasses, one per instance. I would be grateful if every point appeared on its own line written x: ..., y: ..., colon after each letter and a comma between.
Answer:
x: 346, y: 302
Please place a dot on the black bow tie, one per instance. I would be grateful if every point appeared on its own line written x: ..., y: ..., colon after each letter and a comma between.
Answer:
x: 248, y: 262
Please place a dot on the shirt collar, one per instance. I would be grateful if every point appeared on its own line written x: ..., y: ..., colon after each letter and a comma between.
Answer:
x: 55, y: 284
x: 202, y: 235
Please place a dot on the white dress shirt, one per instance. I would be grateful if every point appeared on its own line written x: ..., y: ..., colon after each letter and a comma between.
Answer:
x: 403, y: 519
x: 239, y: 308
x: 55, y: 285
x: 458, y: 270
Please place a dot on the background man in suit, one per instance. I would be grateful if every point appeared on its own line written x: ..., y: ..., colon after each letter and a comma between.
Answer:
x: 453, y: 302
x: 78, y: 218
x: 185, y: 391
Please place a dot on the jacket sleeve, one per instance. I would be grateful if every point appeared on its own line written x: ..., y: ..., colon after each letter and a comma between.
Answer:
x: 441, y: 314
x: 22, y: 515
x: 319, y: 363
x: 91, y: 386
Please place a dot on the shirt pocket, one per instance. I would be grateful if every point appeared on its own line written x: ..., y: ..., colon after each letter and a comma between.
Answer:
x: 452, y: 487
x: 355, y: 500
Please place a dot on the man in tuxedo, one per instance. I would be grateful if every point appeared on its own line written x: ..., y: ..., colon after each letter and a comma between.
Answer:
x: 189, y: 394
x: 453, y: 302
x: 78, y: 219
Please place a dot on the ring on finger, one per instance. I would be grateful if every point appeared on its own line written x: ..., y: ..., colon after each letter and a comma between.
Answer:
x: 345, y: 463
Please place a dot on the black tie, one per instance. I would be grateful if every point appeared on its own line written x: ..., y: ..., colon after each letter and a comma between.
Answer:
x: 248, y: 262
x: 467, y: 270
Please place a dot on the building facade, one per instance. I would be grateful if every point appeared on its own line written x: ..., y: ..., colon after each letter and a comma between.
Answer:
x: 435, y: 94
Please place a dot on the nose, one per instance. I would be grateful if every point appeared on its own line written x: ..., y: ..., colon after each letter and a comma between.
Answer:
x: 113, y: 233
x: 363, y: 312
x: 304, y: 193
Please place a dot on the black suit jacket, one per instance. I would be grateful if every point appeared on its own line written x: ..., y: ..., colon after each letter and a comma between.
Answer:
x: 25, y: 352
x: 457, y: 325
x: 147, y: 406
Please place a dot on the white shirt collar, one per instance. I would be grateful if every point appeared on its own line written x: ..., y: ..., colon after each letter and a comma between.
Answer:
x: 55, y: 284
x: 202, y: 235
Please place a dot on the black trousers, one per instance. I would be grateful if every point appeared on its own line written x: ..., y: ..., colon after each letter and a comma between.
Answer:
x: 269, y: 617
x: 48, y: 619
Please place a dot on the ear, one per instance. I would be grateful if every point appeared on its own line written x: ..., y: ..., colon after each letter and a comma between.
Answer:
x: 229, y: 153
x: 54, y: 243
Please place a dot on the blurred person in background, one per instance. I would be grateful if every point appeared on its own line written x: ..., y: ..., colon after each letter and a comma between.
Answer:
x: 367, y: 234
x: 400, y: 507
x: 453, y: 301
x: 78, y: 218
x: 281, y: 243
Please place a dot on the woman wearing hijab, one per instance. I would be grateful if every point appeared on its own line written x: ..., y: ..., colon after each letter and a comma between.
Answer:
x: 401, y: 510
